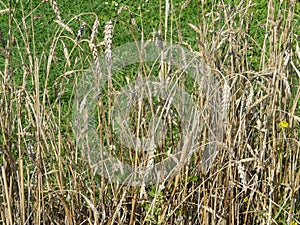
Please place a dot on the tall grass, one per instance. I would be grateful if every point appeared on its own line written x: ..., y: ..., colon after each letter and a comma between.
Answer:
x: 253, y: 52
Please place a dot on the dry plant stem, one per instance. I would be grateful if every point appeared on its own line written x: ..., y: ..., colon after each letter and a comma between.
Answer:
x: 21, y: 168
x: 55, y: 9
x: 7, y: 190
x: 7, y: 169
x: 255, y: 176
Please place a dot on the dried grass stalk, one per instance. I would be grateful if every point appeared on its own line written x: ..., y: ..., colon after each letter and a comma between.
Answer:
x: 94, y: 30
x: 53, y: 3
x: 4, y: 11
x: 108, y: 35
x: 241, y: 171
x: 66, y: 53
x: 185, y: 4
x: 133, y: 22
x: 225, y: 100
x: 80, y: 31
x: 122, y: 9
x: 65, y: 26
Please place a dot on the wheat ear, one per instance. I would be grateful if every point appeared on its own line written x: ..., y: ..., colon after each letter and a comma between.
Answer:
x: 53, y: 3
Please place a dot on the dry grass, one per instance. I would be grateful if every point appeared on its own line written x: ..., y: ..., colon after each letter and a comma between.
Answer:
x: 255, y: 175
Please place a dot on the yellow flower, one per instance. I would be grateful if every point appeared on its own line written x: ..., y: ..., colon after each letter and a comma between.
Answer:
x: 293, y: 223
x: 284, y: 124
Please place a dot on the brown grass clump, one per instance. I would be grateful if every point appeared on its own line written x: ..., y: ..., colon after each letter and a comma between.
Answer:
x: 255, y: 175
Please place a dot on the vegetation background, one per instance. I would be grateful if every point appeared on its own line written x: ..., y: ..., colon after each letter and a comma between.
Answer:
x: 45, y: 46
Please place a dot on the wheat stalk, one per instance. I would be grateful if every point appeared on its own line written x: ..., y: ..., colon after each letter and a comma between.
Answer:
x: 53, y: 3
x: 249, y: 99
x: 241, y: 171
x: 108, y: 36
x: 122, y: 9
x: 65, y: 26
x: 80, y: 31
x: 4, y: 11
x: 66, y: 53
x: 132, y: 19
x: 225, y: 101
x: 94, y: 30
x: 184, y: 5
